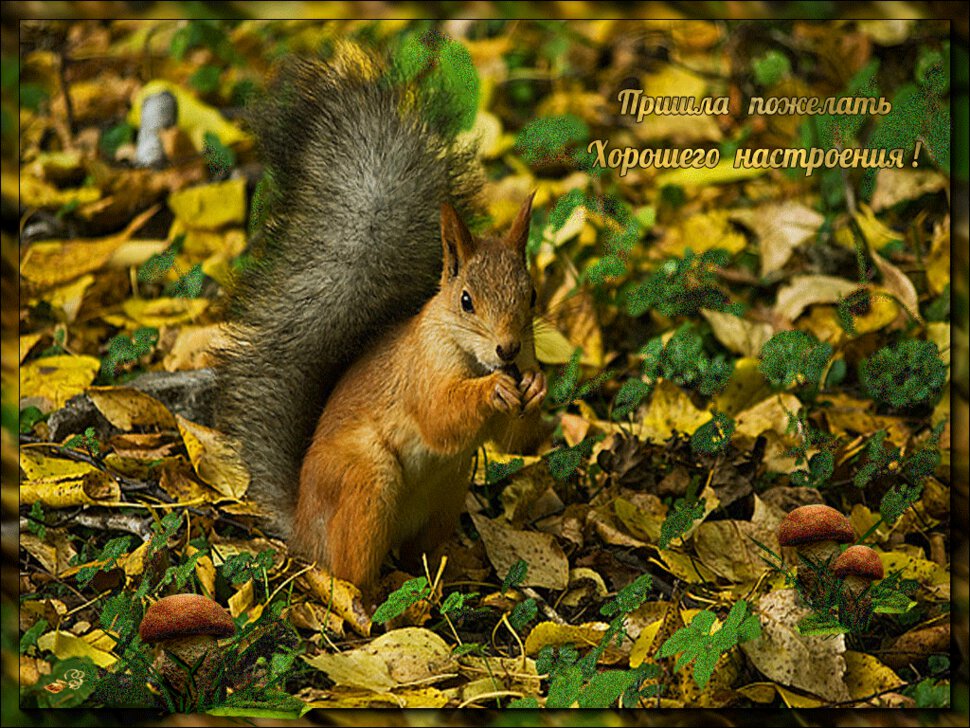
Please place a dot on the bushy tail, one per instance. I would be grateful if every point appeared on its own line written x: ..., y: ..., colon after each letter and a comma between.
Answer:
x: 351, y: 244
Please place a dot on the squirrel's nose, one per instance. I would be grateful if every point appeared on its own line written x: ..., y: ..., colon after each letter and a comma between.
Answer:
x: 508, y: 352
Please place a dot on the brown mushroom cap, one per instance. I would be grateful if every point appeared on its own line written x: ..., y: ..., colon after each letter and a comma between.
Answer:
x: 185, y: 615
x: 809, y: 524
x: 858, y: 561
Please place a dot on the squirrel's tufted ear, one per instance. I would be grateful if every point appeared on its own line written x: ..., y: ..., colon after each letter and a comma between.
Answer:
x: 519, y: 233
x: 456, y: 240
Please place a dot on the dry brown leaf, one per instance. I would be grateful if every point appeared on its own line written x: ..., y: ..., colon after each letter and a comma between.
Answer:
x: 548, y: 566
x: 815, y: 664
x: 781, y: 227
x: 805, y: 291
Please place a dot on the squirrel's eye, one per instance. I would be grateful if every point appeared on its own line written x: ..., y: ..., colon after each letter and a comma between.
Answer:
x: 532, y: 301
x: 466, y: 303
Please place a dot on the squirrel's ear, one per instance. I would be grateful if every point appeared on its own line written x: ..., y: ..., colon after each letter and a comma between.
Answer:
x: 519, y: 233
x: 456, y: 240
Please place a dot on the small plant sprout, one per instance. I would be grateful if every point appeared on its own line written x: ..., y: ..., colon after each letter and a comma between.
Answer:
x: 815, y: 531
x: 184, y: 629
x: 858, y: 567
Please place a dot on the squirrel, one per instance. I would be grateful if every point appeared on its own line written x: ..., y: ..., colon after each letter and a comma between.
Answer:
x: 374, y: 343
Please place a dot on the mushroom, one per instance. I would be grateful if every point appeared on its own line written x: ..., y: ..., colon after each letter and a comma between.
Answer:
x: 816, y: 532
x: 858, y: 567
x: 186, y: 626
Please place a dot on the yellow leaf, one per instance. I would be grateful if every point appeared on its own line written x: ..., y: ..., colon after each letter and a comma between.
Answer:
x: 134, y: 563
x: 896, y: 185
x: 745, y: 388
x: 27, y: 342
x: 49, y: 263
x: 685, y: 567
x: 643, y: 648
x: 769, y: 414
x: 703, y: 232
x: 550, y: 633
x: 158, y: 312
x: 126, y: 408
x: 93, y: 646
x: 724, y: 172
x: 194, y: 117
x: 548, y: 565
x: 343, y: 597
x: 676, y: 81
x: 866, y: 675
x: 214, y: 458
x: 805, y: 291
x: 794, y: 700
x: 242, y: 599
x: 922, y: 570
x: 54, y: 552
x: 644, y: 519
x: 938, y: 260
x: 670, y: 410
x: 875, y: 232
x: 68, y: 298
x: 37, y: 193
x: 551, y: 346
x: 737, y: 334
x: 57, y: 378
x: 211, y: 206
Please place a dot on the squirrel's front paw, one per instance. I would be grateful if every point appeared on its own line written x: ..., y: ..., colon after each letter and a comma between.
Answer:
x: 533, y: 390
x: 504, y: 392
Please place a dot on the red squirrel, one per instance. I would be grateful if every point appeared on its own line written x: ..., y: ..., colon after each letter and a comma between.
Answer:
x: 374, y: 344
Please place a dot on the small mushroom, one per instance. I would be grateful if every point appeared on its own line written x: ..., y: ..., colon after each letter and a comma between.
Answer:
x: 815, y: 531
x: 188, y: 627
x: 858, y: 567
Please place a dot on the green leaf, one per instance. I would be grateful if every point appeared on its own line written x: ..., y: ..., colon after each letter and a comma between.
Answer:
x: 563, y: 387
x: 629, y: 598
x: 516, y: 575
x: 113, y: 138
x: 410, y: 593
x: 770, y: 68
x: 564, y: 688
x: 29, y: 638
x: 564, y: 461
x: 679, y: 519
x: 713, y: 436
x: 907, y: 374
x: 220, y: 158
x: 206, y: 79
x: 523, y: 613
x: 794, y: 358
x: 546, y: 137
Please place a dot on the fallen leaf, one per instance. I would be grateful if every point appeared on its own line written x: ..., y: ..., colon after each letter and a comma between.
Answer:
x: 866, y: 676
x: 805, y: 291
x: 781, y: 227
x: 670, y: 410
x: 899, y: 185
x: 127, y: 408
x: 550, y: 633
x: 211, y: 206
x: 215, y: 458
x: 815, y: 664
x: 96, y: 646
x: 737, y: 334
x: 548, y: 566
x: 57, y: 378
